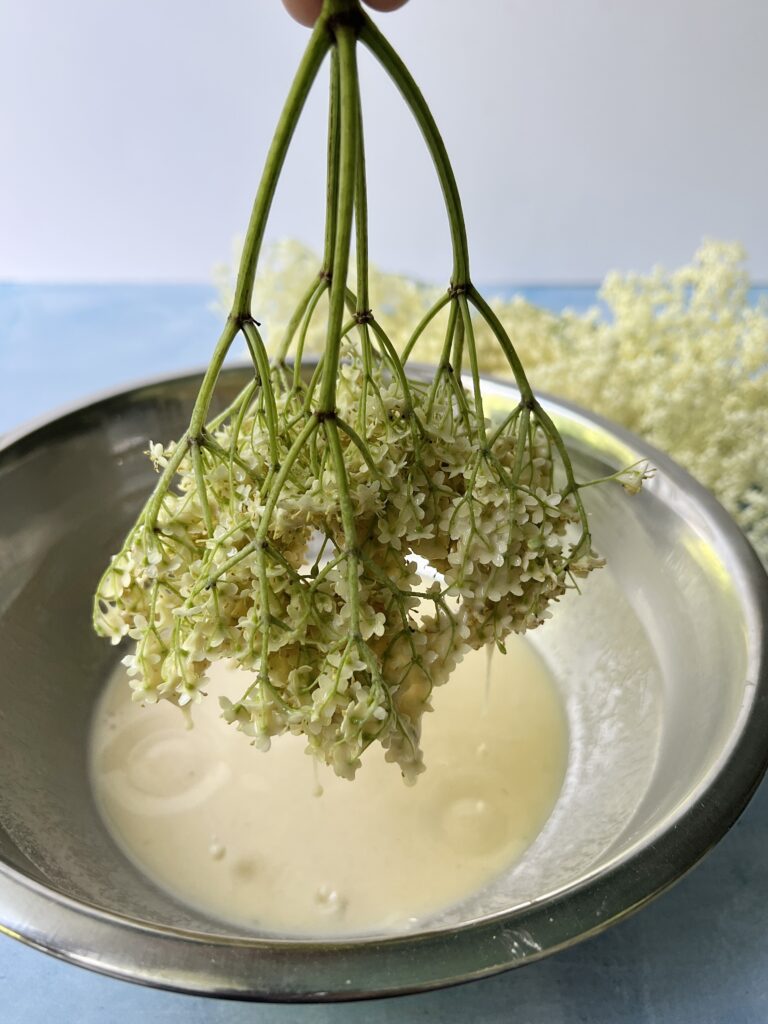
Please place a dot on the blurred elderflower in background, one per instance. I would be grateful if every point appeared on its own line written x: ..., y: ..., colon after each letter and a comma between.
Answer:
x: 679, y: 357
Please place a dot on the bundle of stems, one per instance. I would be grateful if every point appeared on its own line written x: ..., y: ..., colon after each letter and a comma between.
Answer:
x: 347, y: 529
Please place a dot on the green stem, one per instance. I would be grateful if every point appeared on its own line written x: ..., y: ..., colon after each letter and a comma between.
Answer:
x: 278, y: 483
x: 305, y: 76
x: 318, y: 285
x: 457, y: 357
x: 522, y: 433
x: 153, y: 506
x: 502, y: 337
x: 276, y: 486
x: 233, y: 406
x: 444, y: 366
x: 261, y: 359
x: 348, y: 327
x: 202, y: 491
x: 411, y: 93
x: 348, y: 156
x: 347, y: 522
x: 361, y: 216
x: 423, y: 324
x: 309, y: 313
x: 469, y: 335
x: 204, y: 395
x: 573, y: 488
x: 332, y: 184
x: 314, y: 380
x: 507, y: 422
x: 264, y: 622
x: 390, y: 354
x: 360, y: 445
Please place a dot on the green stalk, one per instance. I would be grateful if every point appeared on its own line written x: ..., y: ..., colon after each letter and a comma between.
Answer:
x: 202, y: 492
x: 502, y: 337
x: 522, y: 433
x: 259, y: 353
x: 469, y: 335
x: 457, y: 357
x: 347, y: 522
x: 317, y: 286
x: 332, y: 184
x: 444, y: 365
x: 241, y: 307
x: 361, y: 216
x: 203, y: 400
x: 153, y: 506
x: 423, y: 324
x: 232, y: 408
x: 313, y: 57
x: 411, y: 93
x: 309, y: 313
x: 279, y: 481
x: 348, y: 156
x: 314, y: 380
x: 390, y: 354
x: 360, y: 445
x: 361, y: 244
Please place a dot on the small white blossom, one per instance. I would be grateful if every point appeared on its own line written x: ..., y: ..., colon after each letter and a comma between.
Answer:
x: 631, y: 478
x: 156, y: 452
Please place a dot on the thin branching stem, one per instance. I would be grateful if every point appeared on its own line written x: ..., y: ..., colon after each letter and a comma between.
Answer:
x: 313, y: 57
x: 422, y: 325
x: 347, y: 520
x: 349, y: 125
x: 261, y: 358
x: 316, y: 288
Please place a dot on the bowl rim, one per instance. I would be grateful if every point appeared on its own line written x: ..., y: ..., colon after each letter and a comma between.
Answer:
x: 313, y: 970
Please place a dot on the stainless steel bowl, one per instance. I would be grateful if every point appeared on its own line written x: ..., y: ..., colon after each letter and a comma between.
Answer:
x: 661, y: 663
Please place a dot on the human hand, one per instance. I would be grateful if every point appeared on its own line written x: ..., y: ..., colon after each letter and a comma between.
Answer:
x: 306, y: 11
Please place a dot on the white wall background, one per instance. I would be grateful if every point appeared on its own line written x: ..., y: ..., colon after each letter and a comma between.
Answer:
x: 586, y: 135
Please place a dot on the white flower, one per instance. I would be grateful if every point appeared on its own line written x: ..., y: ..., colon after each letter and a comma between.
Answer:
x: 631, y: 479
x: 157, y: 454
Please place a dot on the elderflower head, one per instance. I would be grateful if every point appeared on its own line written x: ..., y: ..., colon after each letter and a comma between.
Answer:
x: 344, y: 647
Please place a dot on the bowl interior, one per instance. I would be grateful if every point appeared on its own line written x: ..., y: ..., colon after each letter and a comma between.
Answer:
x: 652, y: 659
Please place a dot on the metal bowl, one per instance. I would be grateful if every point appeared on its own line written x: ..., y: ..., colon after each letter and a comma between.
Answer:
x: 661, y: 662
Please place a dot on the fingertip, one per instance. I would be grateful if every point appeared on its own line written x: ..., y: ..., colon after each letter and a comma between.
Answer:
x: 385, y: 5
x: 304, y: 11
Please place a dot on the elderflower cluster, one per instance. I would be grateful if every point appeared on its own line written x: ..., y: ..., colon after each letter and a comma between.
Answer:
x: 461, y: 539
x: 680, y: 358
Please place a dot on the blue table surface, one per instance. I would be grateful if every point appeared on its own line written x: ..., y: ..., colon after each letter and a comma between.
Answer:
x: 698, y: 954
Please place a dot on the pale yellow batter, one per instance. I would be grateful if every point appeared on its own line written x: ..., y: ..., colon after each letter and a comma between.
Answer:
x: 268, y: 841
